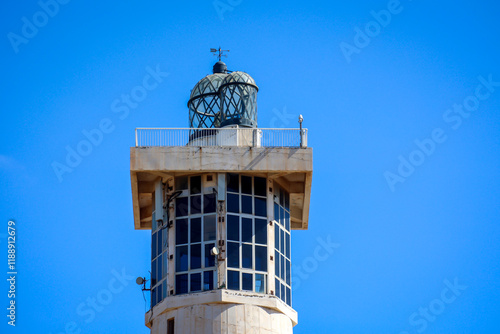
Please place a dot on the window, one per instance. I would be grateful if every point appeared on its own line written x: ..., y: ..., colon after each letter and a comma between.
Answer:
x: 246, y: 231
x: 159, y: 263
x: 195, y: 236
x: 282, y: 256
x: 170, y: 326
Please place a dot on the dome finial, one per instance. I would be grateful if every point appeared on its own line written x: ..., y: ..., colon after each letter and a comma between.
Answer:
x: 219, y: 67
x: 220, y: 51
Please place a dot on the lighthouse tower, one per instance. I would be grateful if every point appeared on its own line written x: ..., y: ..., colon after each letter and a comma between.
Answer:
x: 221, y: 199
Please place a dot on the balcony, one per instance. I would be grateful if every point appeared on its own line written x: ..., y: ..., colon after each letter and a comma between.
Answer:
x: 221, y: 137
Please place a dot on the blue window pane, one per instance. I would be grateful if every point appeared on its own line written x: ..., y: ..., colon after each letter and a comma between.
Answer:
x: 233, y: 203
x: 287, y: 221
x: 288, y: 246
x: 277, y: 287
x: 282, y: 267
x: 246, y: 229
x: 283, y: 293
x: 153, y: 297
x: 164, y: 295
x: 288, y: 297
x: 181, y: 284
x: 233, y: 255
x: 260, y: 207
x: 159, y: 270
x: 260, y: 231
x: 288, y: 272
x: 282, y: 197
x: 195, y: 187
x: 276, y: 236
x: 196, y: 230
x: 233, y: 183
x: 209, y: 258
x: 209, y: 231
x: 181, y: 258
x: 208, y: 280
x: 196, y: 256
x: 165, y: 266
x: 153, y: 274
x: 233, y: 280
x: 233, y: 228
x: 246, y: 184
x: 159, y: 293
x: 154, y: 243
x: 287, y: 201
x: 181, y: 206
x: 259, y: 186
x: 276, y: 212
x: 196, y: 282
x: 282, y: 216
x: 160, y: 240
x: 277, y: 263
x: 246, y: 204
x: 195, y: 204
x: 247, y: 282
x: 261, y: 258
x: 209, y: 203
x: 246, y: 256
x: 282, y: 241
x: 181, y: 183
x: 181, y: 231
x: 260, y: 283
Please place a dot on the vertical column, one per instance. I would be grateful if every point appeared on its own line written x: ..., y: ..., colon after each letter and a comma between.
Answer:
x: 221, y: 230
x: 271, y: 286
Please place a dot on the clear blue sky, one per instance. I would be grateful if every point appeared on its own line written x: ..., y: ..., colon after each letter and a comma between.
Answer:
x: 366, y: 100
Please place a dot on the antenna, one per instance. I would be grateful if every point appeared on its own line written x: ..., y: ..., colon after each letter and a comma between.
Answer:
x: 219, y: 52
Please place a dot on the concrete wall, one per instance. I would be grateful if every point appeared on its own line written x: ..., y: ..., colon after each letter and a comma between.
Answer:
x: 224, y: 319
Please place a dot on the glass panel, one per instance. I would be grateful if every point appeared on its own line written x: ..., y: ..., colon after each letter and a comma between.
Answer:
x: 276, y: 212
x: 233, y: 228
x: 181, y: 183
x: 181, y: 206
x: 260, y: 283
x: 195, y: 230
x: 276, y: 263
x: 165, y: 240
x: 246, y: 185
x: 288, y: 297
x: 181, y: 231
x: 282, y: 197
x: 288, y: 273
x: 247, y: 282
x: 287, y: 201
x: 164, y: 289
x: 165, y: 266
x: 287, y: 241
x: 246, y: 204
x: 195, y: 256
x: 181, y: 284
x: 259, y: 186
x: 154, y: 243
x: 260, y: 207
x: 196, y: 282
x: 233, y: 280
x: 160, y: 240
x: 181, y: 258
x: 159, y: 270
x: 277, y: 287
x: 233, y: 203
x: 153, y: 274
x: 282, y: 267
x: 261, y: 258
x: 246, y: 256
x: 209, y: 228
x: 159, y: 293
x: 195, y: 187
x: 208, y: 280
x: 283, y: 293
x: 233, y: 183
x: 209, y: 258
x: 260, y: 231
x: 246, y: 229
x: 287, y: 220
x: 233, y: 255
x: 282, y: 241
x: 209, y: 203
x: 153, y: 297
x: 195, y: 204
x: 276, y: 236
x: 282, y: 216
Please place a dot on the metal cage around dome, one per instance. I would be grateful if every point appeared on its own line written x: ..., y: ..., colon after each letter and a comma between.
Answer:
x: 204, y: 103
x: 238, y: 97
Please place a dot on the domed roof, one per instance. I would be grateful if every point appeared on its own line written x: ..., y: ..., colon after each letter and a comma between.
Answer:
x: 208, y: 85
x: 239, y: 78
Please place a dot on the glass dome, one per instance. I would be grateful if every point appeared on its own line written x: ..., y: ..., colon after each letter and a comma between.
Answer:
x: 204, y: 103
x: 238, y: 97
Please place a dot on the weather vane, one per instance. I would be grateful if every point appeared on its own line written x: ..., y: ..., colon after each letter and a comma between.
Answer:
x: 220, y: 52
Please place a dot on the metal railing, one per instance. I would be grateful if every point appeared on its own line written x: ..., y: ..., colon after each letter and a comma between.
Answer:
x: 230, y: 136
